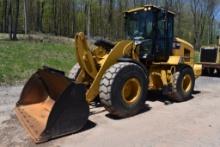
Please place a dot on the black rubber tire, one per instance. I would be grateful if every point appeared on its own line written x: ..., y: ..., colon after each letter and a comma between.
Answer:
x: 74, y: 72
x: 178, y: 94
x: 111, y: 85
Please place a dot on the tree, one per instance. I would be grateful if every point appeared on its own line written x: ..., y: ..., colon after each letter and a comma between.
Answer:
x: 54, y: 13
x: 73, y: 17
x: 10, y: 20
x: 4, y: 16
x: 15, y: 26
x: 100, y: 32
x: 40, y: 14
x: 88, y: 17
x: 104, y: 17
x: 179, y: 7
x: 212, y: 6
x: 13, y: 19
x: 25, y: 17
x: 199, y: 11
x: 110, y: 20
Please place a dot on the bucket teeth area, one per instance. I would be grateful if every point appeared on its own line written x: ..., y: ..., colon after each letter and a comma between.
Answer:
x: 34, y: 117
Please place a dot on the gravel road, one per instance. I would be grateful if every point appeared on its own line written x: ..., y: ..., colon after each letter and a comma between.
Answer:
x: 195, y: 123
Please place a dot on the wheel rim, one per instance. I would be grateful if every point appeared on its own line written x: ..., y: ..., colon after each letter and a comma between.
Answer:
x: 187, y: 83
x: 131, y: 90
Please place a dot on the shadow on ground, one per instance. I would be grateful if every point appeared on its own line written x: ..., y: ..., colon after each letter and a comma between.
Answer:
x: 89, y: 125
x: 154, y: 96
x: 211, y: 75
x: 145, y: 108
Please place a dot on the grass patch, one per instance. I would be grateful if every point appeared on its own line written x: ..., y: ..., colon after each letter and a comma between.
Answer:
x: 20, y: 59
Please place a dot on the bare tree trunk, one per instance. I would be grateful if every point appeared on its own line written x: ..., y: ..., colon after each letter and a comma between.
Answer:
x: 100, y: 28
x: 110, y: 19
x: 200, y: 12
x: 120, y: 23
x: 212, y: 30
x: 209, y: 33
x: 73, y: 18
x: 4, y: 28
x: 16, y: 21
x: 60, y: 18
x: 40, y: 13
x: 25, y: 17
x: 88, y: 18
x: 42, y: 16
x: 134, y: 3
x: 54, y: 24
x: 10, y: 19
x: 179, y: 6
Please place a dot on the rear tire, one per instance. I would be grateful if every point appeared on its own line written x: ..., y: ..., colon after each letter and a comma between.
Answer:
x: 183, y: 85
x: 74, y: 72
x: 123, y: 89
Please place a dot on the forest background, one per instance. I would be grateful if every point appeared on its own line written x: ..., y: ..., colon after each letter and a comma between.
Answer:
x: 196, y: 20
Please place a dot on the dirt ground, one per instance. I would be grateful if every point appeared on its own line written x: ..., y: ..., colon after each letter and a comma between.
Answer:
x: 195, y: 123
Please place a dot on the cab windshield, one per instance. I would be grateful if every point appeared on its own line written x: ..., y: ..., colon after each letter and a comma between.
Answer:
x: 139, y: 25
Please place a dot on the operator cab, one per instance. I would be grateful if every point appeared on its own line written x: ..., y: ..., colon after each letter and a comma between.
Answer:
x: 151, y: 28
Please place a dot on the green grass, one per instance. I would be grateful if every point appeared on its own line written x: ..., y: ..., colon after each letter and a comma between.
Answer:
x: 20, y: 59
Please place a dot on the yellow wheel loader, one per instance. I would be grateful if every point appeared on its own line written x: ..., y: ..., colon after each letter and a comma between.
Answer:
x: 210, y: 60
x: 118, y: 74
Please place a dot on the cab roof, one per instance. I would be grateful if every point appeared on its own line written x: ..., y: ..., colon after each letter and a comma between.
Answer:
x: 148, y: 7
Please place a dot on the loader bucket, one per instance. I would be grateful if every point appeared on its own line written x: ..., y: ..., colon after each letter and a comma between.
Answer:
x: 52, y: 105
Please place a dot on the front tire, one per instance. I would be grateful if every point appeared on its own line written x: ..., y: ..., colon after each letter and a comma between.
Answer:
x: 123, y: 89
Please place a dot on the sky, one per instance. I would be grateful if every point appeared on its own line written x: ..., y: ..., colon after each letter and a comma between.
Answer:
x: 217, y: 15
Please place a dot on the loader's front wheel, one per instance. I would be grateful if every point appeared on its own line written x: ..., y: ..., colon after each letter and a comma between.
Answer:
x: 74, y: 72
x: 183, y: 84
x: 123, y: 89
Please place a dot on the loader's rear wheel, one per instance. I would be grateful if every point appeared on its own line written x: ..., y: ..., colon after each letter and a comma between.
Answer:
x: 74, y: 72
x: 123, y: 89
x: 183, y: 84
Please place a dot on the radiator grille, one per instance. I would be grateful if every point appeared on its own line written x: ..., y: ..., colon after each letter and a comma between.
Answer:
x: 208, y: 55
